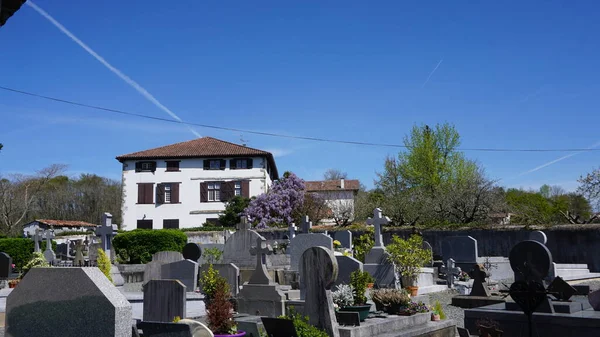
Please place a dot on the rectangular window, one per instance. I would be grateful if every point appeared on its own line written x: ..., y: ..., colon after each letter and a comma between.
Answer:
x: 238, y: 188
x: 171, y: 223
x: 145, y: 166
x: 212, y: 222
x: 215, y: 164
x: 167, y: 193
x: 144, y: 224
x: 145, y: 193
x: 214, y: 191
x: 241, y: 163
x: 172, y: 166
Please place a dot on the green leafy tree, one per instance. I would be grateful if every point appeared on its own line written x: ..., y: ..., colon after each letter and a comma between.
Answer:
x: 363, y: 244
x: 104, y: 264
x: 233, y: 210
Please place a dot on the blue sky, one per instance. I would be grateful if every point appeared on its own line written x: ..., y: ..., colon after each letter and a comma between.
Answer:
x: 514, y: 75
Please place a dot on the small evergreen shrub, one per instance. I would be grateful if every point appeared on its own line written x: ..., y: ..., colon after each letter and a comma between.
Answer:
x: 138, y: 246
x: 358, y: 281
x: 104, y: 264
x: 303, y: 328
x: 219, y: 311
x: 212, y: 255
x: 37, y: 260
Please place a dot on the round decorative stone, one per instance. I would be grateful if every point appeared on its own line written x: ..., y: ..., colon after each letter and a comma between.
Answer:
x: 192, y: 251
x: 531, y: 259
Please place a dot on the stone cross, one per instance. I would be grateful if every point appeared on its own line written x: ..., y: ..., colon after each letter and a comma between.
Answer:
x: 36, y: 238
x: 106, y: 232
x: 261, y: 250
x: 479, y: 275
x: 378, y: 220
x: 244, y: 224
x: 292, y: 229
x: 306, y: 224
x: 49, y: 253
x: 451, y: 270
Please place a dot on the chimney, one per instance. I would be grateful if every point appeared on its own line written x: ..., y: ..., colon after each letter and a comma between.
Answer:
x: 342, y: 183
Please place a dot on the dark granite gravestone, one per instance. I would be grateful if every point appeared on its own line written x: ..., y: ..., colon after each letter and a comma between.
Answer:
x: 479, y: 274
x: 5, y: 265
x: 561, y: 289
x: 348, y: 318
x: 319, y: 271
x: 346, y: 265
x: 345, y: 238
x: 192, y: 251
x: 530, y: 260
x: 67, y: 302
x: 462, y: 332
x: 427, y: 246
x: 185, y: 271
x: 164, y: 300
x: 594, y: 299
x: 538, y: 236
x: 279, y: 327
x: 463, y: 249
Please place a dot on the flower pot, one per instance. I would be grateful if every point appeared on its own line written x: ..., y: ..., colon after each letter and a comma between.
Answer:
x: 238, y: 334
x: 414, y: 290
x: 363, y: 310
x: 435, y: 317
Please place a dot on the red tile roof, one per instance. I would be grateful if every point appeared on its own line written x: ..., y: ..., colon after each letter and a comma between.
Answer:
x: 331, y: 185
x: 66, y: 223
x: 204, y: 147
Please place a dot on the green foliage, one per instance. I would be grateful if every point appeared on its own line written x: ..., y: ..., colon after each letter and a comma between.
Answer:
x: 408, y: 255
x: 176, y: 319
x: 37, y: 261
x: 219, y: 310
x: 212, y: 255
x: 358, y: 282
x: 21, y: 249
x: 210, y: 281
x: 233, y: 210
x: 104, y: 264
x: 548, y: 207
x: 363, y: 244
x: 439, y: 310
x: 138, y: 246
x: 303, y: 328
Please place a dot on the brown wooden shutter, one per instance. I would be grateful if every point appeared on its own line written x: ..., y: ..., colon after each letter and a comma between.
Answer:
x: 148, y: 195
x: 138, y: 166
x: 160, y: 194
x: 175, y: 193
x: 153, y: 166
x: 232, y: 164
x: 249, y: 163
x: 141, y: 191
x: 223, y: 164
x: 206, y: 163
x: 246, y: 188
x: 227, y: 190
x: 203, y: 192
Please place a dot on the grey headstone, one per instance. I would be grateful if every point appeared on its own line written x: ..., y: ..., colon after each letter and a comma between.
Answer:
x: 304, y: 241
x: 153, y: 269
x: 228, y: 271
x: 237, y: 247
x: 106, y: 232
x: 530, y: 260
x: 345, y: 238
x: 5, y: 265
x: 164, y: 300
x: 261, y: 300
x: 87, y: 305
x: 116, y: 276
x: 594, y: 299
x: 261, y: 250
x: 49, y: 256
x: 346, y: 266
x: 427, y: 246
x: 49, y: 253
x: 377, y: 221
x: 192, y: 251
x: 185, y: 271
x: 451, y: 270
x: 538, y: 236
x: 319, y: 270
x: 37, y: 237
x: 463, y: 249
x: 378, y: 265
x: 167, y: 256
x: 93, y: 252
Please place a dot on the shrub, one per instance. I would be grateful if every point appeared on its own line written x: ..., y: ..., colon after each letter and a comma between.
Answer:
x: 303, y: 328
x: 138, y: 246
x: 67, y: 233
x: 21, y: 250
x: 358, y: 281
x: 233, y: 210
x: 390, y: 297
x: 363, y: 244
x: 343, y: 296
x: 220, y: 318
x: 210, y: 281
x: 212, y: 255
x: 104, y: 264
x: 37, y: 260
x: 408, y: 256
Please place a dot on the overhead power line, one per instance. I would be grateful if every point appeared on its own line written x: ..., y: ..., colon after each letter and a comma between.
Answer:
x: 270, y: 134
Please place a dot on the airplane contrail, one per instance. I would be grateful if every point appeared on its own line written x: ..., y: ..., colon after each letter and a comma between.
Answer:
x: 110, y: 67
x: 431, y: 73
x: 557, y: 160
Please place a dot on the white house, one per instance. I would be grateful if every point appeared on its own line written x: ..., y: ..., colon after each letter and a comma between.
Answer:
x: 58, y: 226
x: 338, y: 195
x: 187, y: 184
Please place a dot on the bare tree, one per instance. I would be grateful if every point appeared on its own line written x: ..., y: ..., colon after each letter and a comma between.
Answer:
x: 17, y: 194
x: 335, y: 174
x: 590, y: 187
x: 341, y: 204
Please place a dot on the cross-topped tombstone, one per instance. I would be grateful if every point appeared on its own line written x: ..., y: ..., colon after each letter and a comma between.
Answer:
x: 106, y: 232
x: 261, y: 250
x: 450, y: 271
x: 479, y: 274
x: 37, y: 237
x: 244, y: 224
x: 292, y: 229
x: 306, y: 224
x: 378, y: 220
x: 49, y: 253
x: 319, y: 270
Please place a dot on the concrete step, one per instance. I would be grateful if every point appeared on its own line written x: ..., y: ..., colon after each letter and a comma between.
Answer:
x: 445, y: 328
x: 432, y: 289
x: 580, y: 277
x: 571, y: 266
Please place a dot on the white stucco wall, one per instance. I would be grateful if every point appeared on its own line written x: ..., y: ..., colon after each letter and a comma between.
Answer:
x: 339, y: 200
x: 190, y: 211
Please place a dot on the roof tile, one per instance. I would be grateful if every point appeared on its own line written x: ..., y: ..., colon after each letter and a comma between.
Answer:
x: 331, y: 185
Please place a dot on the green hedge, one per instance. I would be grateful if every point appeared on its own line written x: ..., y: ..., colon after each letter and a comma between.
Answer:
x: 21, y: 249
x: 138, y: 245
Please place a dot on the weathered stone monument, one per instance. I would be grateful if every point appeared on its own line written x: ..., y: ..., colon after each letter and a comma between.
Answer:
x: 239, y: 244
x: 319, y: 270
x: 44, y: 304
x: 346, y: 266
x: 37, y: 237
x: 376, y: 260
x: 451, y: 271
x: 106, y: 232
x: 185, y: 271
x: 261, y: 296
x: 164, y: 300
x: 480, y: 287
x: 153, y: 269
x: 5, y: 266
x: 49, y: 253
x: 306, y: 240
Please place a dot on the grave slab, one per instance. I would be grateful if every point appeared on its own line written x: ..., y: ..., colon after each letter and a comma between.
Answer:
x: 346, y: 266
x: 185, y: 271
x: 463, y: 249
x: 164, y: 300
x: 303, y: 242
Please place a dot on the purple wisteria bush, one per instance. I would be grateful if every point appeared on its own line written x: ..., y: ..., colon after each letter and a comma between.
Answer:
x: 279, y: 204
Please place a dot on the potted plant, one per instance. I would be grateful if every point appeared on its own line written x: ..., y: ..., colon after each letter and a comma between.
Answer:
x: 220, y: 311
x: 437, y: 312
x: 358, y: 282
x: 408, y: 257
x: 413, y: 308
x: 390, y: 300
x: 343, y: 296
x: 13, y: 283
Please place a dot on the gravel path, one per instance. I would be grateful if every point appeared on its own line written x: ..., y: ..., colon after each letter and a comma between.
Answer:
x: 452, y: 312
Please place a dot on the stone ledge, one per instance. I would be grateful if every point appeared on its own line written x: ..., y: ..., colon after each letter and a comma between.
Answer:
x: 380, y: 326
x: 468, y: 302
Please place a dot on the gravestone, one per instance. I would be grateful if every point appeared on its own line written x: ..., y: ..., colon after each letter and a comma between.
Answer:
x: 561, y: 289
x: 451, y: 270
x: 185, y: 271
x: 49, y: 253
x: 319, y: 270
x: 153, y: 269
x: 292, y: 231
x: 106, y: 232
x: 192, y: 251
x: 538, y: 236
x: 230, y: 272
x: 37, y: 237
x: 479, y: 274
x: 346, y: 265
x: 427, y: 246
x: 239, y: 244
x: 594, y: 299
x: 87, y: 305
x: 164, y: 300
x: 261, y: 296
x: 376, y: 260
x: 304, y: 241
x: 345, y: 238
x: 463, y: 249
x: 530, y: 260
x: 93, y: 252
x: 5, y: 266
x: 79, y: 260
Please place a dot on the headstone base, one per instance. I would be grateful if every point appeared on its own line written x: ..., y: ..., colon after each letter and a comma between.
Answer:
x: 261, y: 300
x: 468, y: 302
x: 382, y: 273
